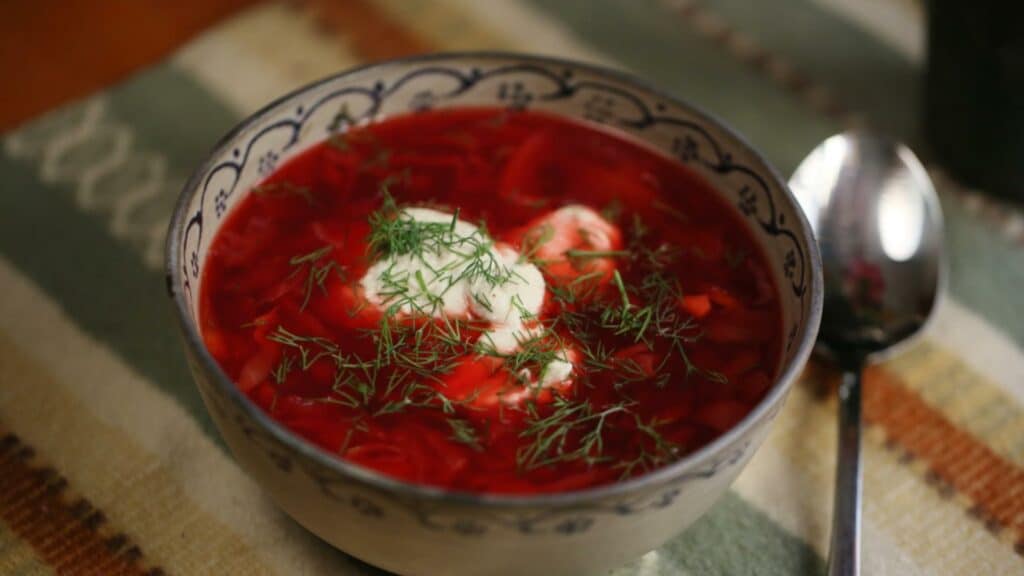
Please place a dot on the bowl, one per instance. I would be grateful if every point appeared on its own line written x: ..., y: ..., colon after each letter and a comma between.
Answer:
x: 414, y: 529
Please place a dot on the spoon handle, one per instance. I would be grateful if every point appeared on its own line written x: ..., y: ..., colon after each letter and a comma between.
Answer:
x: 844, y: 551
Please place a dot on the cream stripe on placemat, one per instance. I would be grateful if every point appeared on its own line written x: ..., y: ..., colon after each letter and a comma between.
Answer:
x: 111, y: 443
x: 980, y: 345
x: 791, y: 477
x: 240, y: 66
x: 964, y: 396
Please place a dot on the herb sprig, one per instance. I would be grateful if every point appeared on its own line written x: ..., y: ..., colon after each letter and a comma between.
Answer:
x: 317, y: 271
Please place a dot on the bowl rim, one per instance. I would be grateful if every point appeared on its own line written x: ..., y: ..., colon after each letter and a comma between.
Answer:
x: 381, y: 482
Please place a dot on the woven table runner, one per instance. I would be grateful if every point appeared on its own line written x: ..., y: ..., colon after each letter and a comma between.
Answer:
x: 110, y: 465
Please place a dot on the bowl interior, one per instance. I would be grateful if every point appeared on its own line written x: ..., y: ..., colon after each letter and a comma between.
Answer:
x: 584, y: 93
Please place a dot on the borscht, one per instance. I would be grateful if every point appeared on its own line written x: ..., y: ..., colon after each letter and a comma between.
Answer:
x: 493, y: 301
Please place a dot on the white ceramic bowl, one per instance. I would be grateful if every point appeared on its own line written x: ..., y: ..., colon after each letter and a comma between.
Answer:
x: 419, y: 530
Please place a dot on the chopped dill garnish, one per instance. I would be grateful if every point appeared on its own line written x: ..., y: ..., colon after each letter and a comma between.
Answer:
x: 280, y: 372
x: 464, y: 433
x: 317, y: 272
x: 553, y: 435
x: 585, y: 254
x: 310, y: 256
x: 535, y: 351
x: 254, y: 323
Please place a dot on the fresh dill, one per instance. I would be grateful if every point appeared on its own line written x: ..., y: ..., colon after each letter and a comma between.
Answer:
x: 462, y: 431
x: 283, y: 368
x: 317, y: 272
x: 588, y: 254
x: 573, y: 431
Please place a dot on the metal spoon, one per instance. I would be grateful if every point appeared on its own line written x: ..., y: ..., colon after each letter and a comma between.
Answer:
x: 879, y: 226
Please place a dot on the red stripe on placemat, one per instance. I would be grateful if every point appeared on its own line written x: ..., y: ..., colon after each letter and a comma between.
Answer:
x: 954, y: 461
x: 954, y: 458
x: 66, y: 532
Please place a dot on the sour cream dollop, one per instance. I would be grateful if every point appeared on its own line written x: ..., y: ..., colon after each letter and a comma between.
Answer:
x: 464, y: 273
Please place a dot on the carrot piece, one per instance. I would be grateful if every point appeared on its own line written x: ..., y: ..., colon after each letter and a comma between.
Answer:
x: 696, y: 305
x: 480, y: 381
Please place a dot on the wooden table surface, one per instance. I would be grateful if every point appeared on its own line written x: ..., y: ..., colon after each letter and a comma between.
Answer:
x: 52, y: 51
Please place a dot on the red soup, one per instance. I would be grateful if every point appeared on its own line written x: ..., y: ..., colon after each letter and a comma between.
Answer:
x: 492, y: 301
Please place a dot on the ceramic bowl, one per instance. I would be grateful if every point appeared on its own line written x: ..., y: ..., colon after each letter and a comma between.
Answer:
x: 418, y: 530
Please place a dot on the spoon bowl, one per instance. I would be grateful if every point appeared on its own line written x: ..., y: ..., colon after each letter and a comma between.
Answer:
x: 879, y: 227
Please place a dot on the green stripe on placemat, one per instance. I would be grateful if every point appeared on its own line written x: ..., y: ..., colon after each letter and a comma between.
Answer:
x: 99, y: 281
x: 986, y: 269
x: 172, y: 114
x: 78, y: 245
x: 734, y: 539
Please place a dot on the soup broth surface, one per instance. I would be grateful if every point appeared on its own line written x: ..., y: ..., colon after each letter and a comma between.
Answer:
x: 492, y: 301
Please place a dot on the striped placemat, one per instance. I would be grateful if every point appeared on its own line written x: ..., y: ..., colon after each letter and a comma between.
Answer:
x: 109, y: 464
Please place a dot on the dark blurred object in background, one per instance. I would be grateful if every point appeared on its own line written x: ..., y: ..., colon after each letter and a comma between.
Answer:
x: 974, y: 109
